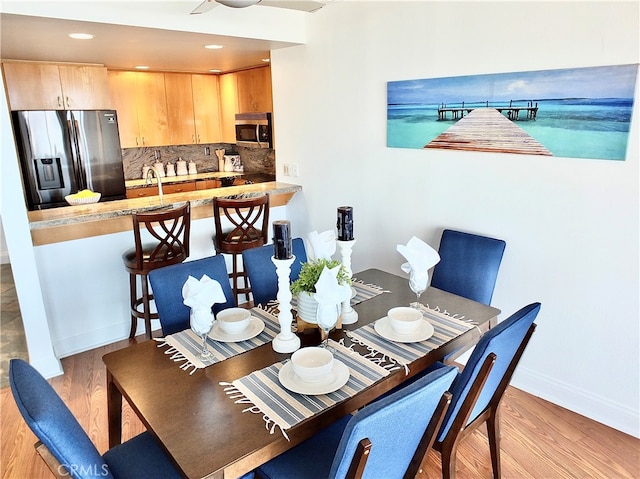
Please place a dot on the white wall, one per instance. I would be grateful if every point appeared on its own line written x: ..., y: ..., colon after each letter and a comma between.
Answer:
x: 571, y: 225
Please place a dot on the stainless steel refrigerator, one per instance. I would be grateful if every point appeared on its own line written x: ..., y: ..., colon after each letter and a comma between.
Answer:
x: 63, y: 152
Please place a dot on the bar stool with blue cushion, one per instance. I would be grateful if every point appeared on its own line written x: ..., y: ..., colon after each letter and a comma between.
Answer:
x: 67, y: 444
x: 167, y: 285
x: 386, y: 439
x: 468, y: 265
x: 168, y: 243
x: 262, y: 272
x: 240, y: 224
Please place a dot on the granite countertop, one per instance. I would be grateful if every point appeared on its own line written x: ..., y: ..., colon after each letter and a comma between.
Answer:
x: 69, y: 215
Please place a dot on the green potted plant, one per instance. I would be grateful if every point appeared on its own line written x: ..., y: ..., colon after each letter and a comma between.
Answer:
x: 304, y: 286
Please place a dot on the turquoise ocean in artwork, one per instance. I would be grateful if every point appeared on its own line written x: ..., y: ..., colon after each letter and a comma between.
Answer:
x: 573, y: 128
x: 576, y: 127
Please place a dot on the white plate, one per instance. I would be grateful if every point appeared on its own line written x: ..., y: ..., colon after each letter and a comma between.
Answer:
x: 384, y: 329
x: 337, y: 378
x: 256, y: 325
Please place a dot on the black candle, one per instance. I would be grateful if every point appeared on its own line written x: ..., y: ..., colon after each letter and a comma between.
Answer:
x: 282, y: 239
x: 345, y: 223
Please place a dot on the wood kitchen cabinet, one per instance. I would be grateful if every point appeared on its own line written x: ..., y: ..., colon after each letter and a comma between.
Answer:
x: 206, y: 108
x: 254, y: 90
x: 193, y: 108
x: 48, y: 86
x: 140, y: 99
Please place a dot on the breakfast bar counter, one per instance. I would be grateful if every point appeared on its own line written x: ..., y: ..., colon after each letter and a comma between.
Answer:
x: 84, y: 221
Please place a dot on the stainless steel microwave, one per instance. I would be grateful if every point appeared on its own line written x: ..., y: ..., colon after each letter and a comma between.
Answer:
x: 254, y: 130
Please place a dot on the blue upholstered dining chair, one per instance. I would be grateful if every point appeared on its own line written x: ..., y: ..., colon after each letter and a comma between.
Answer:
x: 386, y: 439
x: 479, y: 388
x: 59, y: 431
x: 262, y: 272
x: 167, y: 285
x: 468, y: 265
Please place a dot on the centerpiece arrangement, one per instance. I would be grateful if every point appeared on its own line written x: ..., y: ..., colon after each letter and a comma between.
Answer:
x: 304, y: 287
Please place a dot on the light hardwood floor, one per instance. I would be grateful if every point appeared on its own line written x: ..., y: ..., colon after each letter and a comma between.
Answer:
x: 539, y: 439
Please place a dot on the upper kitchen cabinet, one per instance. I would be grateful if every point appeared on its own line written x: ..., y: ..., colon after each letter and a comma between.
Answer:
x: 206, y: 108
x: 180, y: 120
x: 193, y: 108
x: 254, y: 90
x: 140, y: 100
x: 48, y: 86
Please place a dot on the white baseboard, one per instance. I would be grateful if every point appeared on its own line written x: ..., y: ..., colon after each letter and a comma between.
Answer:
x: 70, y: 345
x: 600, y: 409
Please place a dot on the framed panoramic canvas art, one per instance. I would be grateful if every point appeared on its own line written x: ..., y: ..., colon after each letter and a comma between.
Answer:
x: 575, y: 113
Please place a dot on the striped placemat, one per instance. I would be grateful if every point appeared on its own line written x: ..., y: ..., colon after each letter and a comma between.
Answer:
x: 445, y: 328
x: 185, y: 346
x: 284, y: 409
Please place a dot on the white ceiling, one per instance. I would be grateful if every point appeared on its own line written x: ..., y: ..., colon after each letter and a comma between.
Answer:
x: 26, y: 37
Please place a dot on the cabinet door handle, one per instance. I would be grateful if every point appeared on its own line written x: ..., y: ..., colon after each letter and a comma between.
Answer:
x: 60, y: 101
x: 193, y: 138
x: 68, y: 102
x: 143, y: 141
x: 198, y: 138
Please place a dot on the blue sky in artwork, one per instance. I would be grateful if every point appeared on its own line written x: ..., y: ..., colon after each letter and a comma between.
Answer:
x: 594, y: 82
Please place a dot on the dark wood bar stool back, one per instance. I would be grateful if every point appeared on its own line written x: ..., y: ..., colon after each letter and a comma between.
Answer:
x: 169, y: 244
x: 249, y: 218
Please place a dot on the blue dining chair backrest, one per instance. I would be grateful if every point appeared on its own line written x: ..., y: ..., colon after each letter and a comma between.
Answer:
x: 52, y: 422
x: 468, y: 265
x: 504, y: 341
x: 262, y: 272
x: 56, y: 427
x: 395, y: 425
x: 167, y: 283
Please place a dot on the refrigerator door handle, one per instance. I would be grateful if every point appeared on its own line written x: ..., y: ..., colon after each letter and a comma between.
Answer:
x: 81, y: 175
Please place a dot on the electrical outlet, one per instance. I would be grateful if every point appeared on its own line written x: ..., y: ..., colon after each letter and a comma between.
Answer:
x: 285, y: 169
x: 293, y: 170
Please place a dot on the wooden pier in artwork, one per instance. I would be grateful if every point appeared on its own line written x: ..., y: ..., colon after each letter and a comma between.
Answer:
x: 530, y: 111
x: 486, y: 129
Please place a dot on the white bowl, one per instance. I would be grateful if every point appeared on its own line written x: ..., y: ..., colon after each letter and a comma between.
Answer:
x: 312, y: 364
x: 405, y: 320
x: 234, y: 320
x: 75, y: 200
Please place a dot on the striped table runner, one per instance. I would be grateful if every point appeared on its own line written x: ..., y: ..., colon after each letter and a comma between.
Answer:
x: 185, y: 346
x: 445, y: 328
x: 284, y: 409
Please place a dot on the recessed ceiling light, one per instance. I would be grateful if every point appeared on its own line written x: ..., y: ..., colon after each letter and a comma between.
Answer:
x: 141, y: 67
x: 215, y: 71
x: 266, y: 60
x: 81, y: 36
x: 214, y: 47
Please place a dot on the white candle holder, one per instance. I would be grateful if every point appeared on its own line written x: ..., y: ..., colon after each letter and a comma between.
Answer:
x: 285, y: 341
x: 349, y: 315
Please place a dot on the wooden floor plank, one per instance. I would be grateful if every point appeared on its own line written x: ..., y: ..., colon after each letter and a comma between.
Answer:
x: 539, y: 440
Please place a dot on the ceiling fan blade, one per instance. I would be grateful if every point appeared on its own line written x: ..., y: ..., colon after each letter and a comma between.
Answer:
x: 204, y: 7
x: 303, y: 5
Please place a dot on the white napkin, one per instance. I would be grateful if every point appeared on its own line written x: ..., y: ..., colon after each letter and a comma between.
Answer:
x: 200, y: 295
x: 421, y: 257
x: 321, y: 245
x: 330, y: 295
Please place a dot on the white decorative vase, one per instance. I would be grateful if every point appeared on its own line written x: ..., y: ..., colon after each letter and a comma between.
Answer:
x: 307, y: 307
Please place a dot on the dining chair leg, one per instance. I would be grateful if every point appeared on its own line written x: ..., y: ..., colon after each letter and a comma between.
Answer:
x: 133, y: 291
x: 448, y: 462
x: 493, y: 434
x: 146, y: 301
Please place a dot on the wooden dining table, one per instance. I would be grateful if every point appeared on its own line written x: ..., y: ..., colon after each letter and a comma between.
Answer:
x: 207, y: 434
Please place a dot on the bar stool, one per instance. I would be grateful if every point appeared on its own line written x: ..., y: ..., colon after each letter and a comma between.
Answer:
x: 249, y: 218
x: 169, y: 230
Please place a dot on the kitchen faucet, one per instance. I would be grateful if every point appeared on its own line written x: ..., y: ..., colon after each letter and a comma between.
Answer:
x: 150, y: 173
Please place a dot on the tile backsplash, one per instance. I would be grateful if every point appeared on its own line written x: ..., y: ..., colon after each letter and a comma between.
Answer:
x: 254, y: 160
